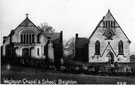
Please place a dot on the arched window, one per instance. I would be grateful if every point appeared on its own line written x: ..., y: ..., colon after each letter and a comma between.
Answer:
x: 21, y: 38
x: 24, y: 37
x: 120, y: 47
x: 97, y: 48
x: 30, y: 38
x: 33, y: 38
x: 27, y: 36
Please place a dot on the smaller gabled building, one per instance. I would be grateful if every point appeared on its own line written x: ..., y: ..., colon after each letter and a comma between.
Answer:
x: 81, y: 49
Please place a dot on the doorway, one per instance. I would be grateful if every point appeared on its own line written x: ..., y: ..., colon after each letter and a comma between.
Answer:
x: 111, y: 57
x: 25, y: 52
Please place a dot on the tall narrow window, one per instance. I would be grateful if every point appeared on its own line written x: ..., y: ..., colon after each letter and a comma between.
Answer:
x: 27, y: 38
x: 38, y: 51
x: 97, y: 48
x: 24, y: 37
x: 120, y: 47
x: 21, y: 38
x: 112, y: 23
x: 109, y: 24
x: 104, y: 24
x: 33, y: 38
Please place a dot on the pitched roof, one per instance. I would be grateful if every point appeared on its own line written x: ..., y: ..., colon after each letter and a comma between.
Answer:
x: 55, y: 37
x: 108, y: 17
x: 80, y: 42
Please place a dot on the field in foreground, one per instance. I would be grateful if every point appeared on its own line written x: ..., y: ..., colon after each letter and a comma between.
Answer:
x: 32, y: 75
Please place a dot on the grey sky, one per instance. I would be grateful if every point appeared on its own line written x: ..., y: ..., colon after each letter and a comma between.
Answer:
x: 71, y: 16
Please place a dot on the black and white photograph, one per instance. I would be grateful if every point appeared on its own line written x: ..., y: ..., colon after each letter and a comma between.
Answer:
x: 67, y: 42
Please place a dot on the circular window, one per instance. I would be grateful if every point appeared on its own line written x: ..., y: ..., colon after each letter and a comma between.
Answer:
x: 109, y: 33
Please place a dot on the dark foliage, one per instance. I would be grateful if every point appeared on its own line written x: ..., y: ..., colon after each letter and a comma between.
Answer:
x: 132, y: 58
x: 68, y: 67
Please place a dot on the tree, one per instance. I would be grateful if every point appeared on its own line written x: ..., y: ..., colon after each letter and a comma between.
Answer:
x: 70, y: 43
x: 132, y: 58
x: 46, y: 28
x: 69, y: 48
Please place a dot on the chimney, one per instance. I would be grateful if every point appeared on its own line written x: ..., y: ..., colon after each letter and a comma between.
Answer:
x: 61, y: 37
x: 76, y: 35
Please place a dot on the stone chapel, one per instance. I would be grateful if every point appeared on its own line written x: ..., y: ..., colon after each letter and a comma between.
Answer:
x: 30, y: 41
x: 107, y: 43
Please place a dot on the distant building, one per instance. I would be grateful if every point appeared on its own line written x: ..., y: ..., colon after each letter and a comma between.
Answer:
x: 28, y: 40
x: 107, y: 43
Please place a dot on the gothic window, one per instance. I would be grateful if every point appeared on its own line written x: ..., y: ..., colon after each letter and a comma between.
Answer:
x: 120, y: 47
x: 97, y: 48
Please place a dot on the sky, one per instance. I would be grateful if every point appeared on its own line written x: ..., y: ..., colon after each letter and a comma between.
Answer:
x: 70, y: 16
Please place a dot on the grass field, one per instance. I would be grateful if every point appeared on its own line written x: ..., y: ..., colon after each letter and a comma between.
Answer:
x: 32, y: 75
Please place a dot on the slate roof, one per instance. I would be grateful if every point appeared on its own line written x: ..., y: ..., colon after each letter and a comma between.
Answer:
x: 80, y: 42
x: 55, y: 37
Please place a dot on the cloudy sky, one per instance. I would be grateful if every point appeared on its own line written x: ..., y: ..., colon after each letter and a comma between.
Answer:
x: 71, y: 16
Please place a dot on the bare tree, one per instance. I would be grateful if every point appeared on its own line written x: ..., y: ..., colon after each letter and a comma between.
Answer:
x: 46, y: 28
x: 69, y: 47
x: 71, y: 43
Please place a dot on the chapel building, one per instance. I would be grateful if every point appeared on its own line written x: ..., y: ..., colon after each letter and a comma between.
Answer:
x: 30, y: 41
x: 107, y: 43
